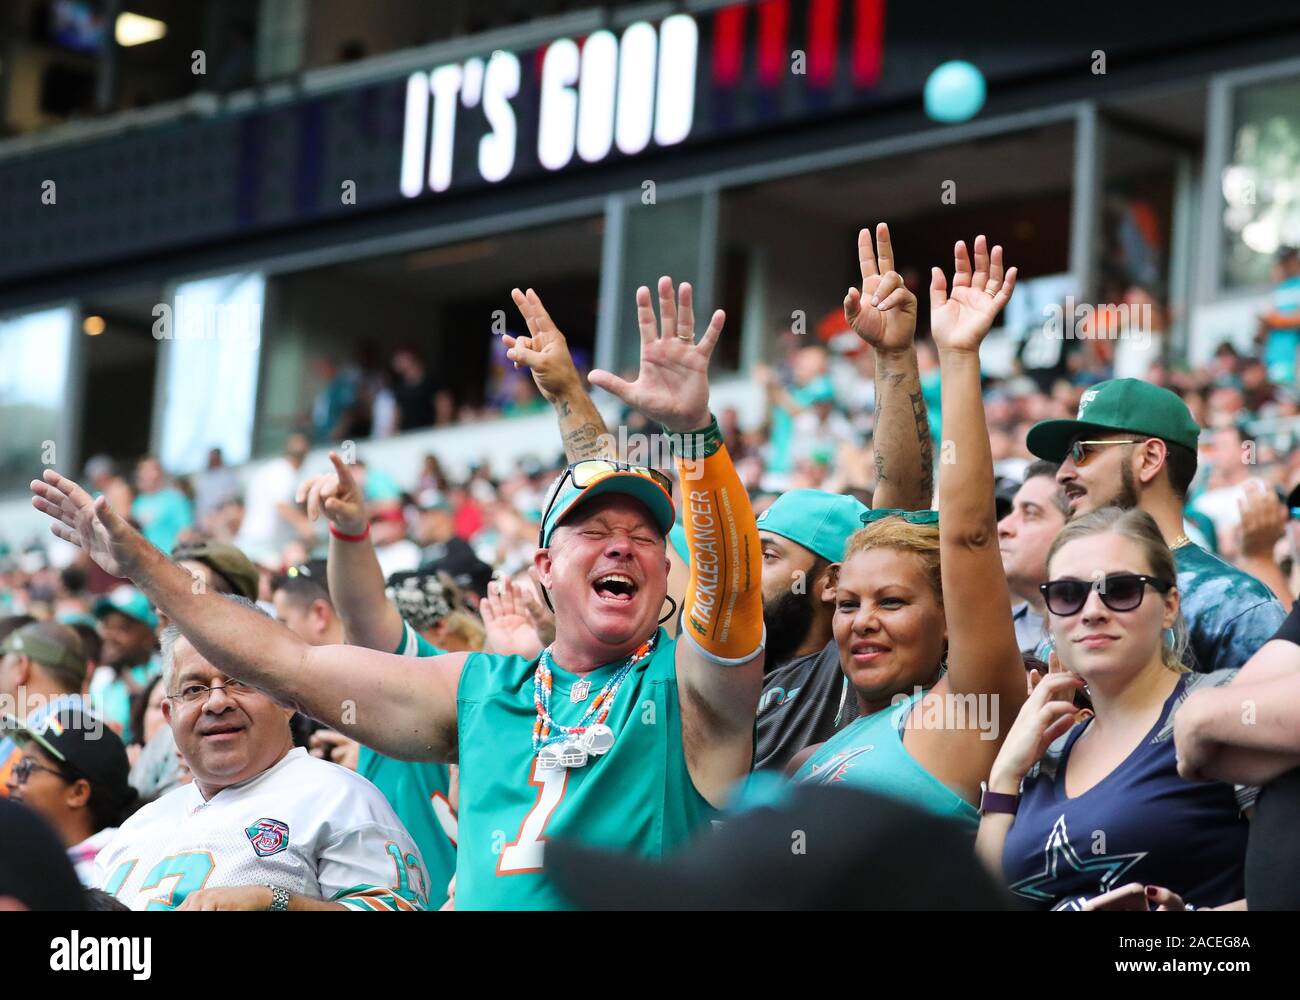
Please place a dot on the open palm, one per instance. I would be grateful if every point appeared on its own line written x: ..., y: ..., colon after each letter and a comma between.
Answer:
x: 883, y: 314
x: 961, y: 318
x: 672, y: 386
x: 89, y: 523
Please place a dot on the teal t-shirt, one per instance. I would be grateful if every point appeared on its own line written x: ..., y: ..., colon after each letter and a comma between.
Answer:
x: 162, y: 516
x: 112, y: 701
x: 638, y: 797
x: 783, y: 423
x: 419, y: 793
x: 869, y: 754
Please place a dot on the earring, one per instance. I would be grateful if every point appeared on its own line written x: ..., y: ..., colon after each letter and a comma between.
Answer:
x: 1170, y: 639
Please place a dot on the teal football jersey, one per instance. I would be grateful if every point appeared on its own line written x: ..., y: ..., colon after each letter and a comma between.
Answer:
x: 638, y: 797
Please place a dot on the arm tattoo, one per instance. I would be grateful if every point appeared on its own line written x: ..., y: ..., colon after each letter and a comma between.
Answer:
x: 584, y: 442
x: 923, y: 440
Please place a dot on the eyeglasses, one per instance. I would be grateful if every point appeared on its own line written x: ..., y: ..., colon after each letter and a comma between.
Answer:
x: 910, y: 516
x: 25, y: 766
x: 1079, y: 450
x: 593, y: 470
x: 1119, y: 592
x: 192, y: 694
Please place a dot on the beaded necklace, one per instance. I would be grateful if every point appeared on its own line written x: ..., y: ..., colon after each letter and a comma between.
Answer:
x: 557, y: 745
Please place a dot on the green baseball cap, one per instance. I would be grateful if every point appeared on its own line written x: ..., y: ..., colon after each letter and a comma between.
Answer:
x: 49, y: 644
x: 604, y: 481
x: 225, y: 560
x: 1127, y: 405
x: 821, y: 522
x: 128, y: 601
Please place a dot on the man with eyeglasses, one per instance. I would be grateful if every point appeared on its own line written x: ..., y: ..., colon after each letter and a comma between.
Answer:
x: 1134, y: 444
x: 264, y: 825
x: 644, y: 737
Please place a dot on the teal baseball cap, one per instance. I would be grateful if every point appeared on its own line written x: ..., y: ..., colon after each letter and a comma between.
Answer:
x: 821, y: 522
x: 582, y: 481
x: 1127, y: 405
x: 128, y: 601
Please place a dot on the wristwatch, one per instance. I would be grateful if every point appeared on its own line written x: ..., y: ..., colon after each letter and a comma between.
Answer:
x: 997, y: 802
x: 279, y: 899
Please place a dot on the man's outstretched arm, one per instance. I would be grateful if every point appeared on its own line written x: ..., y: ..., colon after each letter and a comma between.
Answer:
x: 386, y: 702
x: 546, y: 354
x: 883, y: 314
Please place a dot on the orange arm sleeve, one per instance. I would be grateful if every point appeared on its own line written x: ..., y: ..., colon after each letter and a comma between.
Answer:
x: 724, y: 598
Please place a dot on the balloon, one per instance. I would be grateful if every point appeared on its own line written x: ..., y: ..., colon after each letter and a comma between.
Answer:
x: 954, y: 92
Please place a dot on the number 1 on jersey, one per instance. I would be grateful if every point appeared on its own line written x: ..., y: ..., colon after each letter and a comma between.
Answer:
x: 525, y: 854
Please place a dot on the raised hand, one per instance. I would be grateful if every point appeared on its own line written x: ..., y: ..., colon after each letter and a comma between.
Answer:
x: 91, y: 524
x: 1041, y: 720
x: 337, y: 494
x: 509, y: 626
x: 1263, y: 520
x: 883, y: 314
x: 672, y: 386
x: 544, y: 351
x: 960, y: 318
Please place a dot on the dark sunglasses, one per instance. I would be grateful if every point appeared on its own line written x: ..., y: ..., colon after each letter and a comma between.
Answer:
x: 910, y: 516
x: 1119, y: 592
x: 585, y: 473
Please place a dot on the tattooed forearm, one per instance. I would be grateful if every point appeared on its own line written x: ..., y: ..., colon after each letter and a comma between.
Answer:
x: 587, y: 441
x: 923, y: 440
x: 904, y: 452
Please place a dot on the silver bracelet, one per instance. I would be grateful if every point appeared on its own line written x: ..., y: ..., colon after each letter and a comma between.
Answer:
x: 279, y: 899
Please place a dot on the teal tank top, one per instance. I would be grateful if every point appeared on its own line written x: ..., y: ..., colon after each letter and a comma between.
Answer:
x: 638, y: 797
x: 869, y: 754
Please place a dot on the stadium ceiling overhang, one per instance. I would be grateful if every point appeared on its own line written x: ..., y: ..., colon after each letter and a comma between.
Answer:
x: 629, y: 93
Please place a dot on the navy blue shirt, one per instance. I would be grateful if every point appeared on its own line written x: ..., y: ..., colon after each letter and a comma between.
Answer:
x: 1140, y: 823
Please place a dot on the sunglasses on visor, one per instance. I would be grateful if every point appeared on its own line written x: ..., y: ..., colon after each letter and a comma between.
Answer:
x: 592, y: 470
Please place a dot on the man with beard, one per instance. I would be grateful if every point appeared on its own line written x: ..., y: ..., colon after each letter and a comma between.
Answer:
x: 1134, y: 445
x: 806, y: 698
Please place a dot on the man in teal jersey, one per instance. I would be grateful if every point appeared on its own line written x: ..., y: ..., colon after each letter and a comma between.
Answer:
x: 418, y: 791
x: 676, y: 718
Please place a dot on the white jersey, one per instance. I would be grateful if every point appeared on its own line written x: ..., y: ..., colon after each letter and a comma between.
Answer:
x: 304, y: 824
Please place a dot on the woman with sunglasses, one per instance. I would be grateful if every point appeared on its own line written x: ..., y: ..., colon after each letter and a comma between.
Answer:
x: 1093, y: 814
x: 922, y: 610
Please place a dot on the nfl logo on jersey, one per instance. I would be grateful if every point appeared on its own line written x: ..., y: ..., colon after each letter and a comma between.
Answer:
x: 268, y: 836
